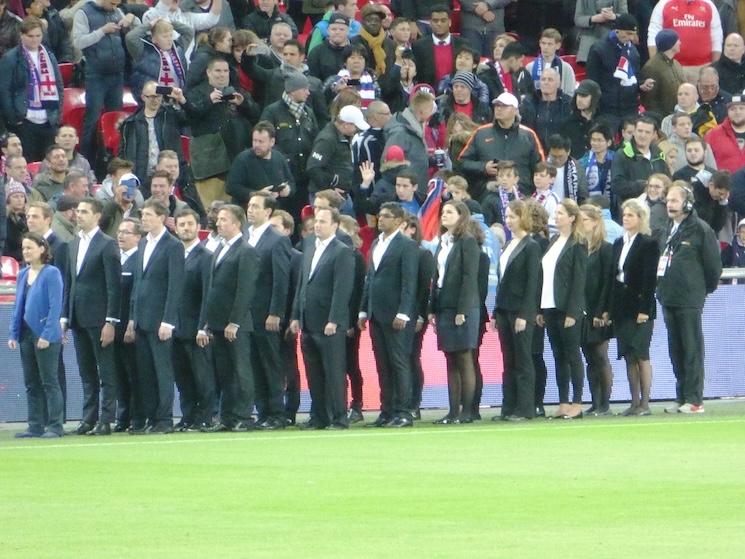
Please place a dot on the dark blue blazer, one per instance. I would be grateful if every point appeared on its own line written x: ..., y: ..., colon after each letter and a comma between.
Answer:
x: 40, y: 307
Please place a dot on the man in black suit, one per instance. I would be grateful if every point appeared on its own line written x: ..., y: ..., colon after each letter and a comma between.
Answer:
x: 129, y: 411
x: 226, y: 320
x: 389, y: 302
x: 39, y: 220
x: 91, y: 308
x: 435, y: 54
x: 156, y: 296
x: 321, y: 311
x: 195, y: 377
x: 268, y: 309
x: 284, y: 225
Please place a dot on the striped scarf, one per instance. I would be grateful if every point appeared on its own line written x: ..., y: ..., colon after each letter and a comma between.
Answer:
x: 297, y: 110
x: 42, y: 90
x: 170, y: 65
x: 366, y: 89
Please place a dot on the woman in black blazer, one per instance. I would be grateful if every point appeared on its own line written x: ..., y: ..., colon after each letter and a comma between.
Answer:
x: 539, y: 233
x: 633, y: 307
x: 475, y: 228
x: 563, y: 305
x: 595, y: 330
x: 514, y: 313
x: 454, y: 308
x: 412, y: 229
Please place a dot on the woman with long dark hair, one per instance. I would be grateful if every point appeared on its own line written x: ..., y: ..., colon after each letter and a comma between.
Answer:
x: 514, y: 313
x: 35, y: 328
x: 563, y: 304
x: 633, y: 306
x: 595, y: 330
x: 454, y: 308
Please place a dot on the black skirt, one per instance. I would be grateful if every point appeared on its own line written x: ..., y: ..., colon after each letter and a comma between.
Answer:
x: 592, y: 335
x: 633, y: 339
x: 451, y: 338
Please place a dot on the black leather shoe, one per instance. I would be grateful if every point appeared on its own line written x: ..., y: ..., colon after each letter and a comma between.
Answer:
x: 401, y: 422
x: 27, y: 435
x: 181, y: 426
x: 137, y: 429
x: 52, y: 435
x: 271, y: 425
x: 447, y: 420
x: 355, y: 416
x: 515, y: 418
x: 164, y: 429
x: 120, y: 427
x: 311, y: 425
x: 243, y: 426
x: 540, y: 412
x: 82, y: 428
x: 339, y: 426
x: 416, y: 415
x: 592, y: 410
x: 381, y: 421
x: 216, y: 428
x: 100, y: 429
x: 465, y: 419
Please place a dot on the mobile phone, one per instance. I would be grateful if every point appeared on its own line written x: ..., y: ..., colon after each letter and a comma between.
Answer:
x: 353, y: 82
x: 163, y: 90
x: 279, y: 187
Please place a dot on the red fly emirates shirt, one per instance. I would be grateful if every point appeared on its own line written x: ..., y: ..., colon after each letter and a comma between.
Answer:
x: 697, y: 23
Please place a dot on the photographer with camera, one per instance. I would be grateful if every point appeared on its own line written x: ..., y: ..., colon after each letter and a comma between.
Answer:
x: 220, y: 117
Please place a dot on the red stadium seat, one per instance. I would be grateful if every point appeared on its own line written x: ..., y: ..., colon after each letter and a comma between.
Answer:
x: 185, y: 147
x: 33, y: 168
x: 129, y: 103
x: 455, y: 20
x: 108, y: 127
x: 67, y: 69
x: 10, y: 268
x: 580, y: 73
x: 73, y: 108
x: 368, y: 235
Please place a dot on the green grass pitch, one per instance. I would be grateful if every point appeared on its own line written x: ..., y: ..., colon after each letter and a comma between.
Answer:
x: 597, y: 488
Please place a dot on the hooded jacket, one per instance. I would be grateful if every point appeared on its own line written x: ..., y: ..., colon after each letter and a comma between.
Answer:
x: 405, y: 131
x: 576, y: 126
x: 602, y: 61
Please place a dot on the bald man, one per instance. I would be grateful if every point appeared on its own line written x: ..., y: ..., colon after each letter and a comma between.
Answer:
x: 688, y: 102
x: 731, y: 66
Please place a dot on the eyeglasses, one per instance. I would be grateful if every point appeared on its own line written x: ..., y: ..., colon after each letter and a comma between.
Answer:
x: 385, y: 215
x: 125, y: 232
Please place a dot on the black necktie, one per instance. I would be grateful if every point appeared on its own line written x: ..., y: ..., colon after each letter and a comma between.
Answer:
x: 442, y: 43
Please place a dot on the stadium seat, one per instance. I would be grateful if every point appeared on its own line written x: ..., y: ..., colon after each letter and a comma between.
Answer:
x: 580, y: 73
x: 368, y: 235
x: 108, y: 126
x: 73, y: 108
x: 33, y: 168
x: 10, y: 268
x: 67, y: 69
x: 129, y: 103
x: 185, y: 148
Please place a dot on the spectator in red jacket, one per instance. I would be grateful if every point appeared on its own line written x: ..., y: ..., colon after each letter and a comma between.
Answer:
x: 727, y: 140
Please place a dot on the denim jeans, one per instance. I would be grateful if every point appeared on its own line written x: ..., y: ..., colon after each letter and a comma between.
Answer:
x: 43, y: 391
x: 103, y: 92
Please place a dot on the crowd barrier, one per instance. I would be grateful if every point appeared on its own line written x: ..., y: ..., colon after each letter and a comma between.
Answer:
x: 724, y: 330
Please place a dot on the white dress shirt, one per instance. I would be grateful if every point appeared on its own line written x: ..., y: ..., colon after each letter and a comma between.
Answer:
x: 443, y: 42
x: 548, y: 301
x: 377, y: 256
x: 187, y: 250
x: 505, y: 256
x: 124, y: 255
x: 152, y: 242
x: 213, y: 242
x: 320, y: 248
x: 85, y: 243
x: 627, y: 242
x: 255, y: 233
x: 446, y: 245
x: 226, y: 247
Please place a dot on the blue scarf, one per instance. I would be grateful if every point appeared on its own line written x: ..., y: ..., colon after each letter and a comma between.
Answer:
x: 538, y: 69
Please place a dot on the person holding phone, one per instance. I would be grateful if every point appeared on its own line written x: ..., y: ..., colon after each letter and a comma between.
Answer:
x: 35, y: 329
x: 594, y: 19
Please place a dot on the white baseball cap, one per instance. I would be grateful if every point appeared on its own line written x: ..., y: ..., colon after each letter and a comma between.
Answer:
x: 506, y: 98
x: 353, y: 115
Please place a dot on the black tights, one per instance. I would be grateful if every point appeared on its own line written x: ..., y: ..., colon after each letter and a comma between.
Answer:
x: 599, y: 374
x: 461, y: 383
x: 640, y: 381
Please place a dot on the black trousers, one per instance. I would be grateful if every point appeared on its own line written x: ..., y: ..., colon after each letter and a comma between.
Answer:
x: 325, y: 361
x: 353, y: 369
x: 232, y: 361
x: 518, y: 382
x: 98, y: 375
x: 36, y: 138
x: 392, y: 349
x: 567, y: 358
x: 417, y: 372
x: 267, y: 363
x: 129, y: 410
x: 195, y: 379
x: 685, y: 342
x: 155, y: 364
x: 288, y: 348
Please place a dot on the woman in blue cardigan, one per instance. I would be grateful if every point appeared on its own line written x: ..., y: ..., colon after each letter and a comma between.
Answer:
x: 35, y: 328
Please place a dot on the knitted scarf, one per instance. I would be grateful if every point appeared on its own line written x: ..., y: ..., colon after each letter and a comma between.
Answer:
x: 376, y: 45
x: 170, y: 65
x: 571, y: 180
x: 538, y: 69
x: 366, y: 89
x: 42, y: 91
x: 297, y: 110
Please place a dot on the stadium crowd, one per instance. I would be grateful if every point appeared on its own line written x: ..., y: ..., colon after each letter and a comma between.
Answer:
x: 237, y: 207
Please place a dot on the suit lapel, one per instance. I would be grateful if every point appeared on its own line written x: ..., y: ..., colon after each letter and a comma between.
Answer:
x: 156, y: 253
x: 632, y: 252
x: 389, y: 251
x: 88, y: 253
x: 231, y: 250
x: 518, y: 249
x: 323, y: 258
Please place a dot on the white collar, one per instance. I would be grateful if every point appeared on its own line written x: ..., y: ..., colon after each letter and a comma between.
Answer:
x: 259, y: 231
x: 154, y: 240
x: 90, y: 234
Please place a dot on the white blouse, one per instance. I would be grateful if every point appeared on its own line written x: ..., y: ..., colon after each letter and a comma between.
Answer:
x: 549, y: 269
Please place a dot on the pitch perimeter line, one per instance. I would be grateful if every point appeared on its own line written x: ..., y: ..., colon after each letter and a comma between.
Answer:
x: 368, y: 433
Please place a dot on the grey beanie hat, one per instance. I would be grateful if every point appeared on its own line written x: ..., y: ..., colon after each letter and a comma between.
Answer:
x: 294, y: 81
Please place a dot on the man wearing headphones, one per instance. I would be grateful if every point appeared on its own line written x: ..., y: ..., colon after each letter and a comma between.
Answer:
x: 688, y: 270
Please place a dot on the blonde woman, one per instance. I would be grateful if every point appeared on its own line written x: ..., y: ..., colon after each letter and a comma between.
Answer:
x: 595, y: 331
x: 633, y: 307
x: 563, y: 305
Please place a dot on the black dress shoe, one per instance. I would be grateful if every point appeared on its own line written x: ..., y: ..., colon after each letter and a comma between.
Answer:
x: 216, y: 428
x: 401, y: 422
x: 247, y: 425
x: 592, y: 410
x: 465, y: 419
x: 515, y: 418
x: 540, y: 412
x: 447, y: 420
x: 475, y: 416
x: 339, y: 426
x: 101, y: 429
x: 355, y: 416
x: 311, y: 425
x: 120, y: 427
x: 82, y: 428
x: 137, y: 429
x: 416, y: 415
x: 163, y: 429
x: 28, y: 435
x: 271, y: 424
x: 381, y: 421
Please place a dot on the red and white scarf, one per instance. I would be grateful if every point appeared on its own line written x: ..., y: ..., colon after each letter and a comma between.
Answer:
x: 42, y: 83
x: 171, y: 71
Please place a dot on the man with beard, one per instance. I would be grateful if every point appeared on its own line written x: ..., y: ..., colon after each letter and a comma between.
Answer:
x: 727, y: 140
x: 212, y: 242
x: 380, y: 49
